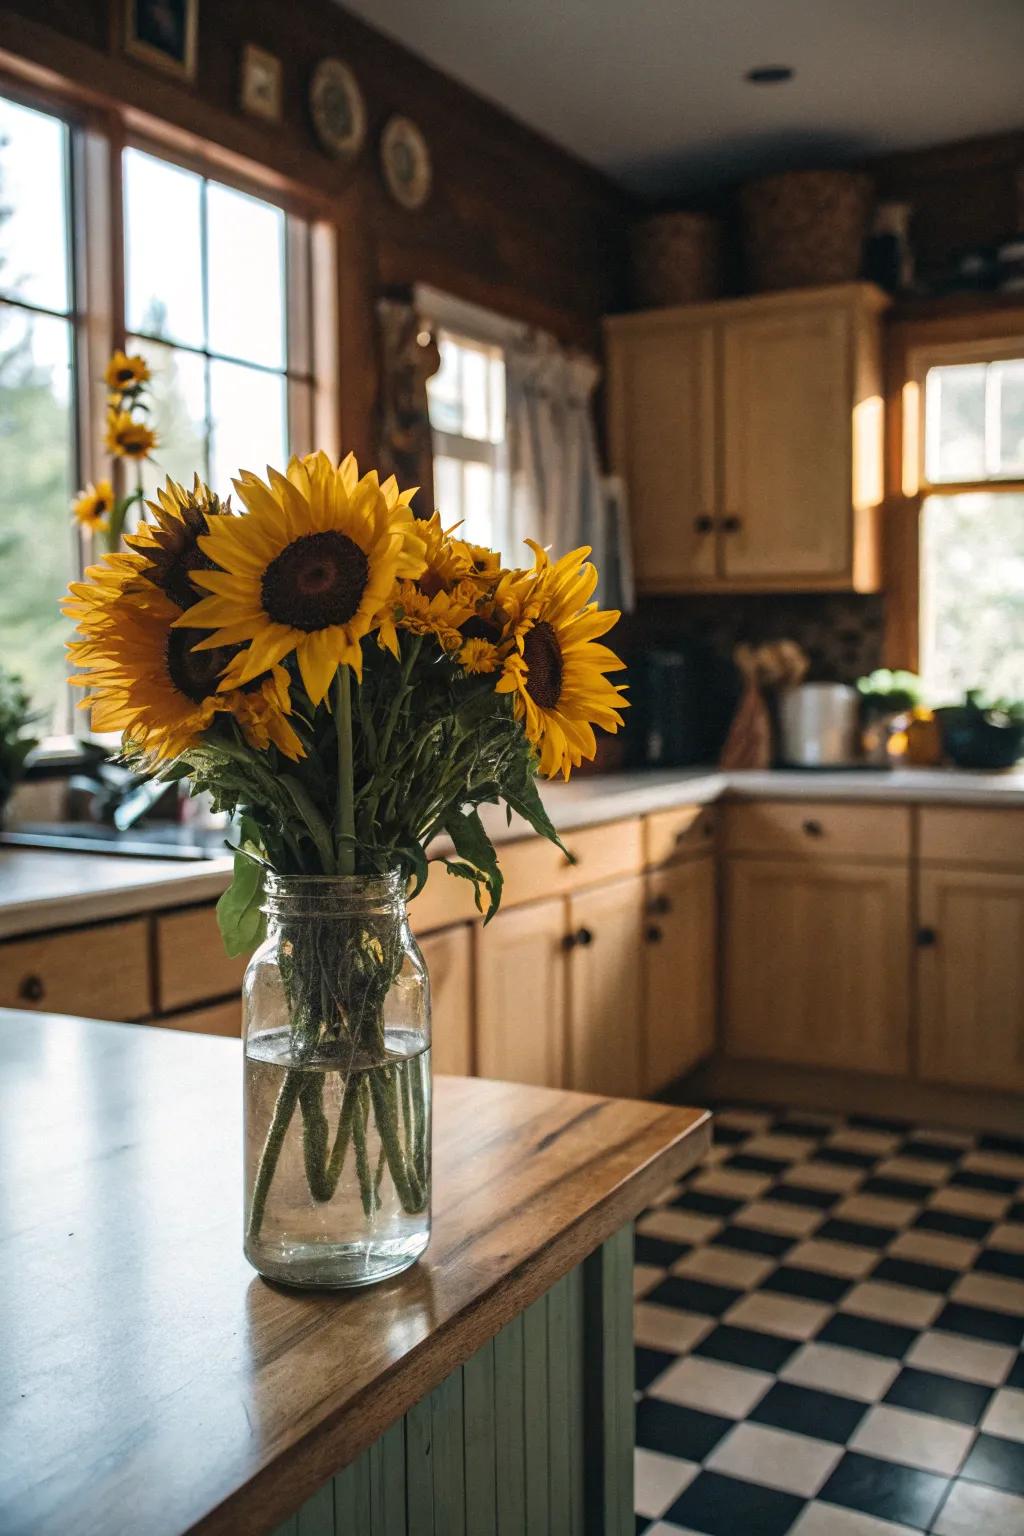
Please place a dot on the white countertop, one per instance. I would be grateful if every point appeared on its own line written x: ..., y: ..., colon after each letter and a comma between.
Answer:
x: 41, y: 889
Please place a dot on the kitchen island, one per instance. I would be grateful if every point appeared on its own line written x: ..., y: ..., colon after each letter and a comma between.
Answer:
x: 153, y: 1383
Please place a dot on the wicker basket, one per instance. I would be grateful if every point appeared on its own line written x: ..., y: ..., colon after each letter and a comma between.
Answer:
x: 676, y: 259
x: 804, y: 228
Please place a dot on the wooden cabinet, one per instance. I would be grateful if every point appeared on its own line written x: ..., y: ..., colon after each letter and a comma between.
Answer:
x: 680, y: 970
x: 449, y: 958
x: 192, y: 965
x: 662, y: 388
x: 521, y: 994
x: 100, y: 972
x: 749, y: 435
x: 970, y: 975
x: 817, y: 963
x: 606, y: 999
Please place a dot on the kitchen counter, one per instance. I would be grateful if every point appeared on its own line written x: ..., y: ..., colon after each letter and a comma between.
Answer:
x: 41, y: 889
x: 152, y: 1382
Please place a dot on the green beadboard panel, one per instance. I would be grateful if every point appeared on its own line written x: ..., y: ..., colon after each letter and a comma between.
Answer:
x: 508, y: 1429
x: 480, y: 1443
x: 533, y: 1436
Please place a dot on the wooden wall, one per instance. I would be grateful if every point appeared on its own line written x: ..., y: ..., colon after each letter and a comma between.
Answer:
x: 513, y: 222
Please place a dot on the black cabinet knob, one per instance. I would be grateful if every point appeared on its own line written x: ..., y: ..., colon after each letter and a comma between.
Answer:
x: 654, y: 934
x: 584, y: 937
x: 927, y: 938
x: 703, y: 524
x: 732, y: 523
x: 813, y: 828
x: 661, y: 905
x: 32, y: 989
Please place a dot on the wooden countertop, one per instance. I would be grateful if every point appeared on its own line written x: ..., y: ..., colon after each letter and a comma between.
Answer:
x: 151, y: 1381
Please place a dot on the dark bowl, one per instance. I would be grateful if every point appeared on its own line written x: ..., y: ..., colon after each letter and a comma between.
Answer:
x: 973, y: 740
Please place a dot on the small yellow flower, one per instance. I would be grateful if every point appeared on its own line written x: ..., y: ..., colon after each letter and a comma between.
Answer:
x: 92, y: 506
x: 439, y: 615
x: 484, y: 563
x: 126, y: 372
x: 127, y: 438
x: 479, y: 657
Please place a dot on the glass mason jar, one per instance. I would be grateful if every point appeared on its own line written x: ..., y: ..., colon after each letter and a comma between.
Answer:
x: 337, y: 1084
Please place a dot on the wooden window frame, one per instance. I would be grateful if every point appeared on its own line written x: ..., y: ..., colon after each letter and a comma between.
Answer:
x: 99, y: 132
x: 914, y: 346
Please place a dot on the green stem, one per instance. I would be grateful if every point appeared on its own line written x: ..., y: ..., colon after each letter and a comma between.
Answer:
x: 283, y: 1111
x: 346, y: 772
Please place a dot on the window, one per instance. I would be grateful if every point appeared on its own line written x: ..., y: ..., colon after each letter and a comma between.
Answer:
x: 38, y: 452
x: 218, y: 295
x: 971, y: 481
x: 467, y: 416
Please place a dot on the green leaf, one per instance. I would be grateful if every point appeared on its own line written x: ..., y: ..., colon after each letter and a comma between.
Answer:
x: 241, y: 921
x: 475, y: 848
x: 526, y: 801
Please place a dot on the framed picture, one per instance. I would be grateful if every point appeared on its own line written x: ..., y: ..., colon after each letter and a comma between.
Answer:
x: 162, y: 33
x: 405, y: 161
x: 260, y: 94
x: 337, y: 109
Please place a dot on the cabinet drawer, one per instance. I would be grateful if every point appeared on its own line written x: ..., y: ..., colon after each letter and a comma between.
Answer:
x: 444, y: 900
x: 100, y: 973
x: 191, y: 963
x: 221, y: 1019
x: 535, y: 868
x: 819, y: 828
x: 965, y: 835
x: 670, y: 835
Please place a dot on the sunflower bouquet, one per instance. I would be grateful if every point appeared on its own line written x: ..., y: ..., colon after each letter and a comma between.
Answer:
x: 97, y: 508
x: 351, y: 683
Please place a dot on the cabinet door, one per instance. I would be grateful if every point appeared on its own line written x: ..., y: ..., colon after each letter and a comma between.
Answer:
x: 787, y: 424
x: 606, y: 988
x: 970, y: 987
x: 520, y: 995
x: 449, y: 957
x: 661, y: 393
x: 680, y: 971
x: 817, y: 960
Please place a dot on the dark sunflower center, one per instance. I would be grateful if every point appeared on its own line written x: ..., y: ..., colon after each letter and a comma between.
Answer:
x: 317, y: 581
x: 194, y: 673
x: 543, y: 656
x: 125, y: 375
x: 430, y: 583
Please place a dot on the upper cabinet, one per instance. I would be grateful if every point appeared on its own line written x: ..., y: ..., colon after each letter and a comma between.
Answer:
x: 749, y: 435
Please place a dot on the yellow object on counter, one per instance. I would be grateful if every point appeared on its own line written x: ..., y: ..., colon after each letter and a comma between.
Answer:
x: 924, y: 740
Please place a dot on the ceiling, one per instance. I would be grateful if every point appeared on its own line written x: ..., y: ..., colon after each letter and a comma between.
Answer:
x: 652, y: 91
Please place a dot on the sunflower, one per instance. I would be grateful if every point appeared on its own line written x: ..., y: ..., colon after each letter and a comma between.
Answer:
x: 310, y: 570
x: 555, y: 670
x: 124, y: 372
x: 484, y: 563
x: 439, y: 615
x: 170, y: 546
x: 92, y: 603
x: 262, y: 709
x: 93, y: 506
x: 146, y: 681
x: 479, y: 656
x: 448, y: 560
x: 127, y: 438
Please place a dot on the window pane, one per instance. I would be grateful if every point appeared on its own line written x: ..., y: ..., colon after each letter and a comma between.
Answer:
x: 467, y: 394
x: 955, y: 423
x: 249, y: 420
x: 36, y: 486
x: 163, y: 249
x: 245, y: 264
x: 478, y: 504
x: 443, y: 390
x: 972, y: 595
x: 1009, y: 379
x: 178, y: 392
x: 33, y: 207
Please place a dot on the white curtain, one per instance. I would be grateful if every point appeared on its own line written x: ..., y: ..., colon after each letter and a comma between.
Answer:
x: 556, y: 494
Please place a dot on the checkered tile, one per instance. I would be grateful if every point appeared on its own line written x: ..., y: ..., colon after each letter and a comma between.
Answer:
x: 829, y: 1334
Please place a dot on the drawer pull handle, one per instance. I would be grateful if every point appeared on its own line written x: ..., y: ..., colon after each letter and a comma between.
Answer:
x: 661, y: 905
x: 927, y: 938
x: 732, y: 523
x: 654, y: 934
x: 813, y: 828
x: 32, y: 989
x: 584, y: 937
x: 703, y: 524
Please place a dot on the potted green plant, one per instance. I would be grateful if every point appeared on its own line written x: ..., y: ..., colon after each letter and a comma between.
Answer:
x: 983, y: 734
x: 16, y: 716
x: 885, y: 698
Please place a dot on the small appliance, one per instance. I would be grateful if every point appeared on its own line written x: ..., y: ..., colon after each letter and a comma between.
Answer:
x: 818, y: 725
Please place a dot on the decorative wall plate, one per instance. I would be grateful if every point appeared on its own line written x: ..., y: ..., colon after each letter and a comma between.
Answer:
x: 338, y: 110
x: 405, y: 161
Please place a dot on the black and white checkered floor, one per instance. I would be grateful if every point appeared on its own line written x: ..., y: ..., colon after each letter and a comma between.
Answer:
x: 829, y: 1326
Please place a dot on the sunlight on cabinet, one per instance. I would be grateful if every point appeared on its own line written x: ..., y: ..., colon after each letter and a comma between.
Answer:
x: 521, y: 995
x: 817, y: 961
x: 449, y: 958
x: 971, y: 978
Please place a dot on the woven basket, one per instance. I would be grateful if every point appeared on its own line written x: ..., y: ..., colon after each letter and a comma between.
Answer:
x: 804, y: 228
x: 676, y: 259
